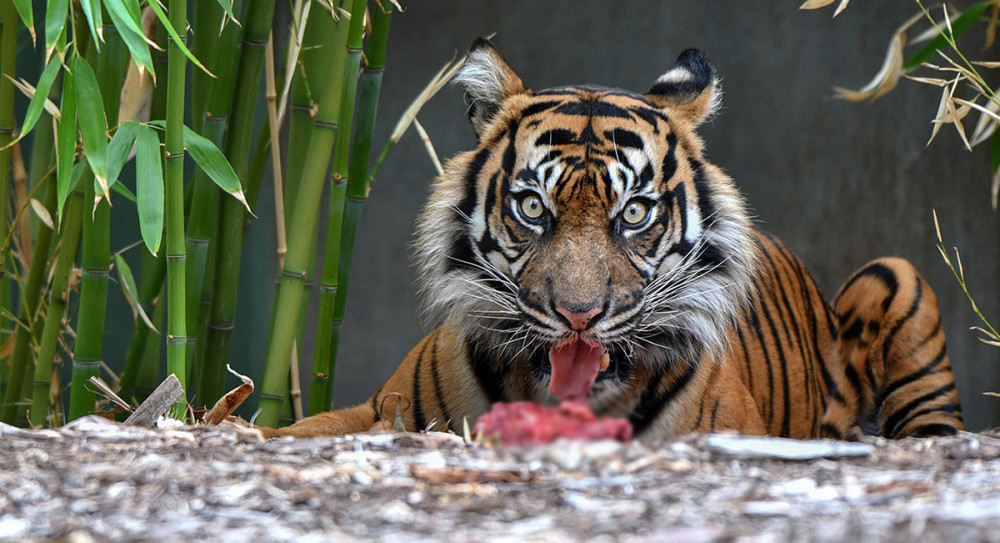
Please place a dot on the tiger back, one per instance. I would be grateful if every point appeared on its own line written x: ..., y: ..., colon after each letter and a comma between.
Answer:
x: 587, y: 250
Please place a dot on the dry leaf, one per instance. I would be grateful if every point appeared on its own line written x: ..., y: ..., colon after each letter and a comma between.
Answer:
x: 228, y: 403
x: 816, y: 4
x: 428, y: 145
x: 890, y: 72
x: 841, y: 7
x: 106, y: 391
x: 7, y: 348
x: 42, y: 213
x: 28, y: 90
x: 437, y: 82
x: 137, y: 91
x: 948, y: 113
x: 987, y: 123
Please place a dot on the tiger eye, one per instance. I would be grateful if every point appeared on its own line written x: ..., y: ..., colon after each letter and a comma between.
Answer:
x: 635, y: 213
x: 532, y: 207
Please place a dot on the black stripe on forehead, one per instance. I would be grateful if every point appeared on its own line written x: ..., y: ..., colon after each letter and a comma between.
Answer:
x: 593, y: 107
x: 624, y: 138
x: 557, y: 136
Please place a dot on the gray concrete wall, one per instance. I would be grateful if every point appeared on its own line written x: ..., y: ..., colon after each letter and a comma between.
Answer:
x: 841, y: 183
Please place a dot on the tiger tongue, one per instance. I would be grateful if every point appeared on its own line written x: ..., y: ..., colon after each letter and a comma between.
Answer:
x: 575, y: 365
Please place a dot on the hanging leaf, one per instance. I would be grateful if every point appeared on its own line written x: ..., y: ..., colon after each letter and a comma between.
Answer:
x: 177, y: 39
x: 93, y: 123
x: 888, y: 75
x: 29, y: 91
x: 208, y: 157
x: 42, y: 213
x: 55, y: 22
x: 958, y: 27
x: 119, y: 149
x: 41, y: 94
x: 131, y: 33
x: 137, y: 90
x: 27, y: 17
x: 65, y: 141
x: 92, y: 10
x: 149, y: 186
x: 131, y: 292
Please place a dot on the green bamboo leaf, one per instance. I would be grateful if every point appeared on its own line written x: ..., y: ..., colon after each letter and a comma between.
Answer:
x: 958, y: 27
x: 65, y: 141
x: 38, y: 100
x: 149, y: 186
x: 92, y: 10
x: 119, y: 149
x: 127, y: 281
x: 27, y: 17
x: 120, y: 188
x: 55, y: 22
x: 131, y: 33
x: 227, y: 6
x: 93, y: 123
x: 176, y: 37
x: 208, y: 157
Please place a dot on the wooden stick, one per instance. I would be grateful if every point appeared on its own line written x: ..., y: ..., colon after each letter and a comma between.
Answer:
x: 157, y: 404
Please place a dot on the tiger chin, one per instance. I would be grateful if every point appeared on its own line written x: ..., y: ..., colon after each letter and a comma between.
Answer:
x: 587, y: 250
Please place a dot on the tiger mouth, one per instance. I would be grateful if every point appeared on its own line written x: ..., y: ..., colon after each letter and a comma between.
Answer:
x: 574, y: 367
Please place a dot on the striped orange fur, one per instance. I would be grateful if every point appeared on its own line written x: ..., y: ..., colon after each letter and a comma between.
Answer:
x: 588, y: 223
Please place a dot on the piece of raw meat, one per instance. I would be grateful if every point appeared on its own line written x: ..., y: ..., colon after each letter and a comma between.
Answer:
x: 528, y: 423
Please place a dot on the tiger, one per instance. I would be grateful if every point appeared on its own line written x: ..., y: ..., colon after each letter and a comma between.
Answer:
x: 586, y: 250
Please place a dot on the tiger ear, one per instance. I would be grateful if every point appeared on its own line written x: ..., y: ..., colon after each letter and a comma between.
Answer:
x: 689, y: 89
x: 487, y: 79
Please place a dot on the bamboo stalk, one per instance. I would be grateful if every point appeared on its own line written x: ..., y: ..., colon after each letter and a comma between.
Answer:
x: 96, y: 257
x: 256, y: 28
x: 154, y: 271
x: 40, y: 170
x: 8, y: 61
x: 31, y: 318
x: 325, y: 342
x: 205, y: 36
x: 174, y: 199
x: 315, y: 66
x: 279, y: 206
x: 25, y: 244
x: 303, y: 222
x: 202, y: 219
x: 41, y: 400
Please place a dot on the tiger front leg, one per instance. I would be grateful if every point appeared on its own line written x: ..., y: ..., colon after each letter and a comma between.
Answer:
x: 359, y: 418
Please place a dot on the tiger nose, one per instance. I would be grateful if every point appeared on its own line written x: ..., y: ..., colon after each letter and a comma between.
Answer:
x: 579, y: 320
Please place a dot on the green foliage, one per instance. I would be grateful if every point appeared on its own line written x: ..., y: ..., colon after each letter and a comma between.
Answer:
x: 91, y: 148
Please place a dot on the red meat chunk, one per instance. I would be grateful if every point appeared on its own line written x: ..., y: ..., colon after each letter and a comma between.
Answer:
x: 528, y: 423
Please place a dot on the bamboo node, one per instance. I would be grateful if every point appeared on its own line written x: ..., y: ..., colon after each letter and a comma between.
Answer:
x: 171, y: 156
x: 294, y: 274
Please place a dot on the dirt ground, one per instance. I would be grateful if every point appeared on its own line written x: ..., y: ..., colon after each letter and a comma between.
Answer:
x: 97, y: 480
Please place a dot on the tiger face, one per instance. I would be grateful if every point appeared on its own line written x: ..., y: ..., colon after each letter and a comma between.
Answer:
x: 586, y: 235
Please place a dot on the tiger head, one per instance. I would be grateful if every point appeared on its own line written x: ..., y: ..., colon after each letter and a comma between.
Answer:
x: 586, y: 234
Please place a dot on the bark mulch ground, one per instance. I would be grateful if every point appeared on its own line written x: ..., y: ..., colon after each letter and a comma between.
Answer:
x: 102, y: 481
